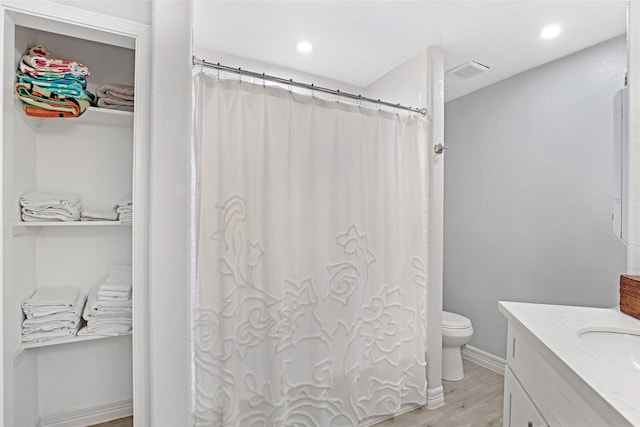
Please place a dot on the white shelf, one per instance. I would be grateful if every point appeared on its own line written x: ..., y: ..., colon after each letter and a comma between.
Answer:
x: 106, y: 116
x: 93, y: 115
x: 70, y: 340
x: 70, y: 224
x: 30, y: 228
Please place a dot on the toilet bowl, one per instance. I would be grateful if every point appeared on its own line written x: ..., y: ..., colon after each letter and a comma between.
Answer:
x: 456, y: 332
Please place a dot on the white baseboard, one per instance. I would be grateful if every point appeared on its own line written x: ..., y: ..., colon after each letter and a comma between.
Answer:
x: 88, y: 415
x: 435, y: 397
x: 484, y: 359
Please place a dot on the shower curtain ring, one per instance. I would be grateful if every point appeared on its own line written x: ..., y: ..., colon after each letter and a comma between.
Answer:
x: 264, y: 81
x: 240, y: 74
x: 398, y: 108
x: 313, y: 92
x: 218, y: 71
x: 378, y: 105
x: 359, y: 100
x: 338, y: 95
x: 290, y: 85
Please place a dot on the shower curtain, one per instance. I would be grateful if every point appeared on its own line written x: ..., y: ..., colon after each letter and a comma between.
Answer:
x: 309, y: 302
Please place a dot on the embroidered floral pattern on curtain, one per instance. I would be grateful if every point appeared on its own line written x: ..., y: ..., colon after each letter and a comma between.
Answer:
x: 310, y: 292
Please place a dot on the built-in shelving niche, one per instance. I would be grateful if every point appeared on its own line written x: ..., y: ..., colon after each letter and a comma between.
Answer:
x: 100, y: 155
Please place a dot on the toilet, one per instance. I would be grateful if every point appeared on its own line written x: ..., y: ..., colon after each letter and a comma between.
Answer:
x: 456, y: 332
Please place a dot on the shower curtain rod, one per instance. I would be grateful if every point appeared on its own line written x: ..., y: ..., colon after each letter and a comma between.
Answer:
x: 201, y: 62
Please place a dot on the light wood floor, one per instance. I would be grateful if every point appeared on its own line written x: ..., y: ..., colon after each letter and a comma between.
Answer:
x: 476, y: 401
x: 122, y: 422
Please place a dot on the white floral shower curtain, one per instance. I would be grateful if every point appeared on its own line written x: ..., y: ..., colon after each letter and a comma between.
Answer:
x: 311, y: 248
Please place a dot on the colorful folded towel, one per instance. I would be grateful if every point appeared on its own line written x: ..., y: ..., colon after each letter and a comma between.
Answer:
x: 63, y: 78
x: 47, y: 114
x: 52, y: 87
x: 39, y: 60
x: 65, y: 87
x: 36, y: 96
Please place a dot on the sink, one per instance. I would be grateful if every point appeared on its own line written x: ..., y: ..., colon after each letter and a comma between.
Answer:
x: 613, y: 345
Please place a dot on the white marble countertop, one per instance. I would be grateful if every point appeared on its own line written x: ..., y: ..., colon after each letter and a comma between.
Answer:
x: 597, y: 359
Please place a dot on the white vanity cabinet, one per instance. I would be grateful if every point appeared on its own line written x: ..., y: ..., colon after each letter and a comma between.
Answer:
x: 519, y: 410
x: 553, y: 378
x: 102, y: 156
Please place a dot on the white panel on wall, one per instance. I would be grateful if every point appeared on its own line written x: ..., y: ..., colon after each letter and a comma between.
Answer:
x: 633, y: 209
x: 103, y: 159
x: 528, y: 190
x: 59, y: 389
x: 133, y: 10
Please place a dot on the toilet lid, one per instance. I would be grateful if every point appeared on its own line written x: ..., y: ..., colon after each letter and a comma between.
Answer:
x: 454, y: 321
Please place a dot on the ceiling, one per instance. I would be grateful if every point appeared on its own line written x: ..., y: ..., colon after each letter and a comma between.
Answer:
x: 357, y: 42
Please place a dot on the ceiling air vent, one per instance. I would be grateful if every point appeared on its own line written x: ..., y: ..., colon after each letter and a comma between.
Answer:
x: 468, y: 70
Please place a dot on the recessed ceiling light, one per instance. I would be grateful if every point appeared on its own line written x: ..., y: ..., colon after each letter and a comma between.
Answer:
x: 550, y: 32
x: 304, y: 46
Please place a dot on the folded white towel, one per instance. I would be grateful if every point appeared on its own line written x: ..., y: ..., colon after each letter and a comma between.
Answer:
x: 104, y: 309
x: 29, y: 218
x: 109, y: 330
x: 40, y: 309
x: 104, y: 298
x: 45, y: 207
x: 98, y: 215
x: 49, y: 335
x: 114, y: 294
x: 63, y: 296
x: 125, y: 201
x: 98, y: 321
x: 61, y: 214
x: 50, y: 326
x: 40, y: 198
x: 67, y: 316
x: 115, y: 287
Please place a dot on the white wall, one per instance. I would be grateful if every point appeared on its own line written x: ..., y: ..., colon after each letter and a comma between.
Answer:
x: 633, y: 254
x: 528, y: 192
x: 133, y: 10
x: 269, y: 69
x: 405, y: 84
x: 169, y: 222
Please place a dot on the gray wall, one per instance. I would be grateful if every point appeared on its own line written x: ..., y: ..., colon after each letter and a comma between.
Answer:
x: 528, y: 192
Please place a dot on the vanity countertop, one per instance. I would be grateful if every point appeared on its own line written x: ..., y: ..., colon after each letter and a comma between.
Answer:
x: 609, y: 363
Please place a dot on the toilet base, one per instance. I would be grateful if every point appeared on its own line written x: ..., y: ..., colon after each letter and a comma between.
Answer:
x: 452, y: 364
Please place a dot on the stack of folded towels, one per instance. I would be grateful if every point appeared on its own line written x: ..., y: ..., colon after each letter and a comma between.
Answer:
x: 51, y: 87
x: 40, y: 206
x: 125, y: 211
x: 108, y: 309
x: 115, y: 96
x: 88, y: 214
x: 52, y: 313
